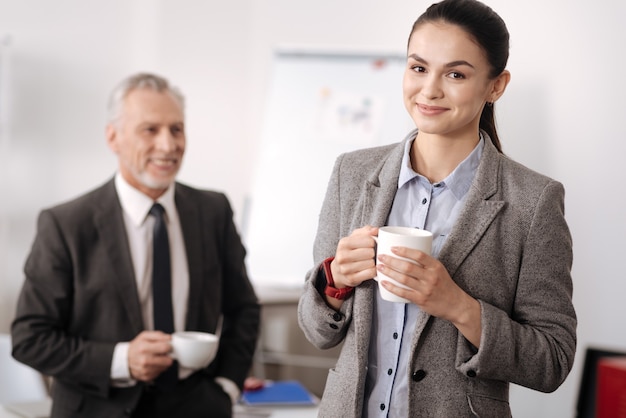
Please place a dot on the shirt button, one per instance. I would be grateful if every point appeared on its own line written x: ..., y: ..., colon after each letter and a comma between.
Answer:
x: 389, y: 372
x: 382, y: 406
x: 424, y: 200
x: 337, y: 316
x: 418, y: 375
x: 471, y: 373
x: 395, y: 335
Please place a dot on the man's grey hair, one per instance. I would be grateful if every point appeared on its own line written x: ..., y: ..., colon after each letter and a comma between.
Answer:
x: 139, y: 81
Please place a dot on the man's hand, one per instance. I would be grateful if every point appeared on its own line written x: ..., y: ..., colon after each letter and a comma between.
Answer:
x: 149, y: 355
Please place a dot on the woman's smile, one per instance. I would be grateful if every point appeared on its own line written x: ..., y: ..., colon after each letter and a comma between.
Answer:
x: 427, y: 110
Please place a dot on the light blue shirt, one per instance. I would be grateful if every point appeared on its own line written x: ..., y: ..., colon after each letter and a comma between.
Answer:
x: 420, y: 204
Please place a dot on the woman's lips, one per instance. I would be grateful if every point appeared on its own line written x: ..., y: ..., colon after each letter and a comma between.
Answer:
x: 430, y: 110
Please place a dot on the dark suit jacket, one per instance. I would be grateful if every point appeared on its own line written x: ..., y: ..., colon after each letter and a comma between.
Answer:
x: 80, y: 298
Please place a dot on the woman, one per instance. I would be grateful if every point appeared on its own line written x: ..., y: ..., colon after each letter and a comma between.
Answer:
x: 493, y: 304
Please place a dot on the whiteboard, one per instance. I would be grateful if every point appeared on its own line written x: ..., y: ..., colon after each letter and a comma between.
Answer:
x: 320, y: 104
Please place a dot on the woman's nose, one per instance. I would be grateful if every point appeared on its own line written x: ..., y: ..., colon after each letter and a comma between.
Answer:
x: 431, y: 89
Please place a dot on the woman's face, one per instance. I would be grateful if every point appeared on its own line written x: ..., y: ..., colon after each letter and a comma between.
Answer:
x: 446, y: 81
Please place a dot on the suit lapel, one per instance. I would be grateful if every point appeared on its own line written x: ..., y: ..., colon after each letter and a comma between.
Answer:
x: 380, y: 189
x: 188, y: 215
x: 109, y: 223
x: 478, y: 213
x: 378, y: 194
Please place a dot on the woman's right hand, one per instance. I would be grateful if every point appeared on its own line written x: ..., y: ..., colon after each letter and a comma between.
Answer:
x: 354, y: 260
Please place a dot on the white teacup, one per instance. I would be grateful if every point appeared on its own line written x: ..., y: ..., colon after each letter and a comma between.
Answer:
x: 194, y: 349
x: 399, y: 236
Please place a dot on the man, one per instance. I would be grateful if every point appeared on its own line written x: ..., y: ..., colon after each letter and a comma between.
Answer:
x: 91, y: 313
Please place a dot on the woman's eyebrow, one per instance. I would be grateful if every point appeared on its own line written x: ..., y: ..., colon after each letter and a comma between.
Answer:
x: 448, y: 65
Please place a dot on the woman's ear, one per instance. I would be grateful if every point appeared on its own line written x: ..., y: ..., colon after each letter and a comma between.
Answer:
x: 499, y: 85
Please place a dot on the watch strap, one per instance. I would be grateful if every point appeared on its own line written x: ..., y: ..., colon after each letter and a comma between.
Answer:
x: 330, y: 289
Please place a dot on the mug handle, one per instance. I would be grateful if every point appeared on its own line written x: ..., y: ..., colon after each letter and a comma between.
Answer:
x: 375, y: 254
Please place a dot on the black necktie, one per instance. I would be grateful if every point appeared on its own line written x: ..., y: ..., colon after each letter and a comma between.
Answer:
x: 163, y: 313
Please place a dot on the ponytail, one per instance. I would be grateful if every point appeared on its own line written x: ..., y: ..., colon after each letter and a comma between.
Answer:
x: 488, y: 124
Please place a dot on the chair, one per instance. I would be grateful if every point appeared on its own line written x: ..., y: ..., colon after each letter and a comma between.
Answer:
x: 18, y: 382
x: 586, y: 405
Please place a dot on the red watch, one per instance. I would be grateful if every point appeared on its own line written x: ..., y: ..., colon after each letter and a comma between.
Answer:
x: 330, y: 289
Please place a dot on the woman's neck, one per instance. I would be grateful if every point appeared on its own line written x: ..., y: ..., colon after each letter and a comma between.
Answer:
x: 435, y: 157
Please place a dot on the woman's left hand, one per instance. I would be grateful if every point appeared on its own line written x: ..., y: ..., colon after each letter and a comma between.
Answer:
x: 432, y: 289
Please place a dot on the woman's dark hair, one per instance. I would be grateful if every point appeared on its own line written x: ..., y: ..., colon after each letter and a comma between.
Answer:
x: 489, y: 32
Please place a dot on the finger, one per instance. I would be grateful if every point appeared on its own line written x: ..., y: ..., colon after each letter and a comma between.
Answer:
x: 366, y: 230
x: 160, y: 348
x: 359, y: 274
x: 354, y: 242
x: 355, y: 256
x: 399, y: 265
x: 418, y: 256
x: 405, y: 293
x: 154, y: 336
x: 148, y: 366
x: 387, y: 273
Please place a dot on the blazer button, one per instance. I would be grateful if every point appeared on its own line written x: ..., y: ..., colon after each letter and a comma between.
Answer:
x: 333, y: 326
x: 337, y: 316
x: 471, y: 373
x: 418, y: 375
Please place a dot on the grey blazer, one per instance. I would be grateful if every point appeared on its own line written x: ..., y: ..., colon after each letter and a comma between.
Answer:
x: 510, y: 248
x: 80, y: 298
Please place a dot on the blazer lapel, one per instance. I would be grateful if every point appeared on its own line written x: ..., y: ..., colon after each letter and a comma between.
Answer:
x: 380, y: 189
x: 109, y: 222
x: 378, y: 194
x: 479, y: 211
x: 188, y: 215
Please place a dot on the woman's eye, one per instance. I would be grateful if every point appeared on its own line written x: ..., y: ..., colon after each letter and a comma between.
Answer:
x: 418, y: 69
x: 456, y: 76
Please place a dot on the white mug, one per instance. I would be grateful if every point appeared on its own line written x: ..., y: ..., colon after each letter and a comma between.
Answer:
x: 194, y: 349
x: 399, y: 236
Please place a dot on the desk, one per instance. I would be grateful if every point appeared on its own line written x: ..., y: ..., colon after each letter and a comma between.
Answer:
x: 277, y: 412
x: 303, y: 412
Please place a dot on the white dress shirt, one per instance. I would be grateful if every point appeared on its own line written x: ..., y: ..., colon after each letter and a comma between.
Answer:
x: 139, y: 225
x: 136, y: 207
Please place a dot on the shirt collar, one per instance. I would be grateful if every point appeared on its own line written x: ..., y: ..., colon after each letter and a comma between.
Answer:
x: 459, y: 181
x: 137, y: 205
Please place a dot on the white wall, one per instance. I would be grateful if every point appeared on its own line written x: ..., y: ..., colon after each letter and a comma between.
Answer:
x: 560, y: 116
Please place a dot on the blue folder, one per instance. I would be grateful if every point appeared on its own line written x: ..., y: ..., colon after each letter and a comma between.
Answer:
x: 284, y: 392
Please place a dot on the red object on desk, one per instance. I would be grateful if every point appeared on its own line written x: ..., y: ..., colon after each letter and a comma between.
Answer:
x: 253, y: 383
x: 611, y: 388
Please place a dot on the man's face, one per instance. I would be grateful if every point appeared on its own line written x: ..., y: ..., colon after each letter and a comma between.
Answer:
x: 149, y: 140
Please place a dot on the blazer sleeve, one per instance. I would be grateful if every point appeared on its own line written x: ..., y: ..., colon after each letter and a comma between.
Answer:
x: 40, y: 331
x: 541, y: 329
x: 240, y: 307
x: 321, y: 324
